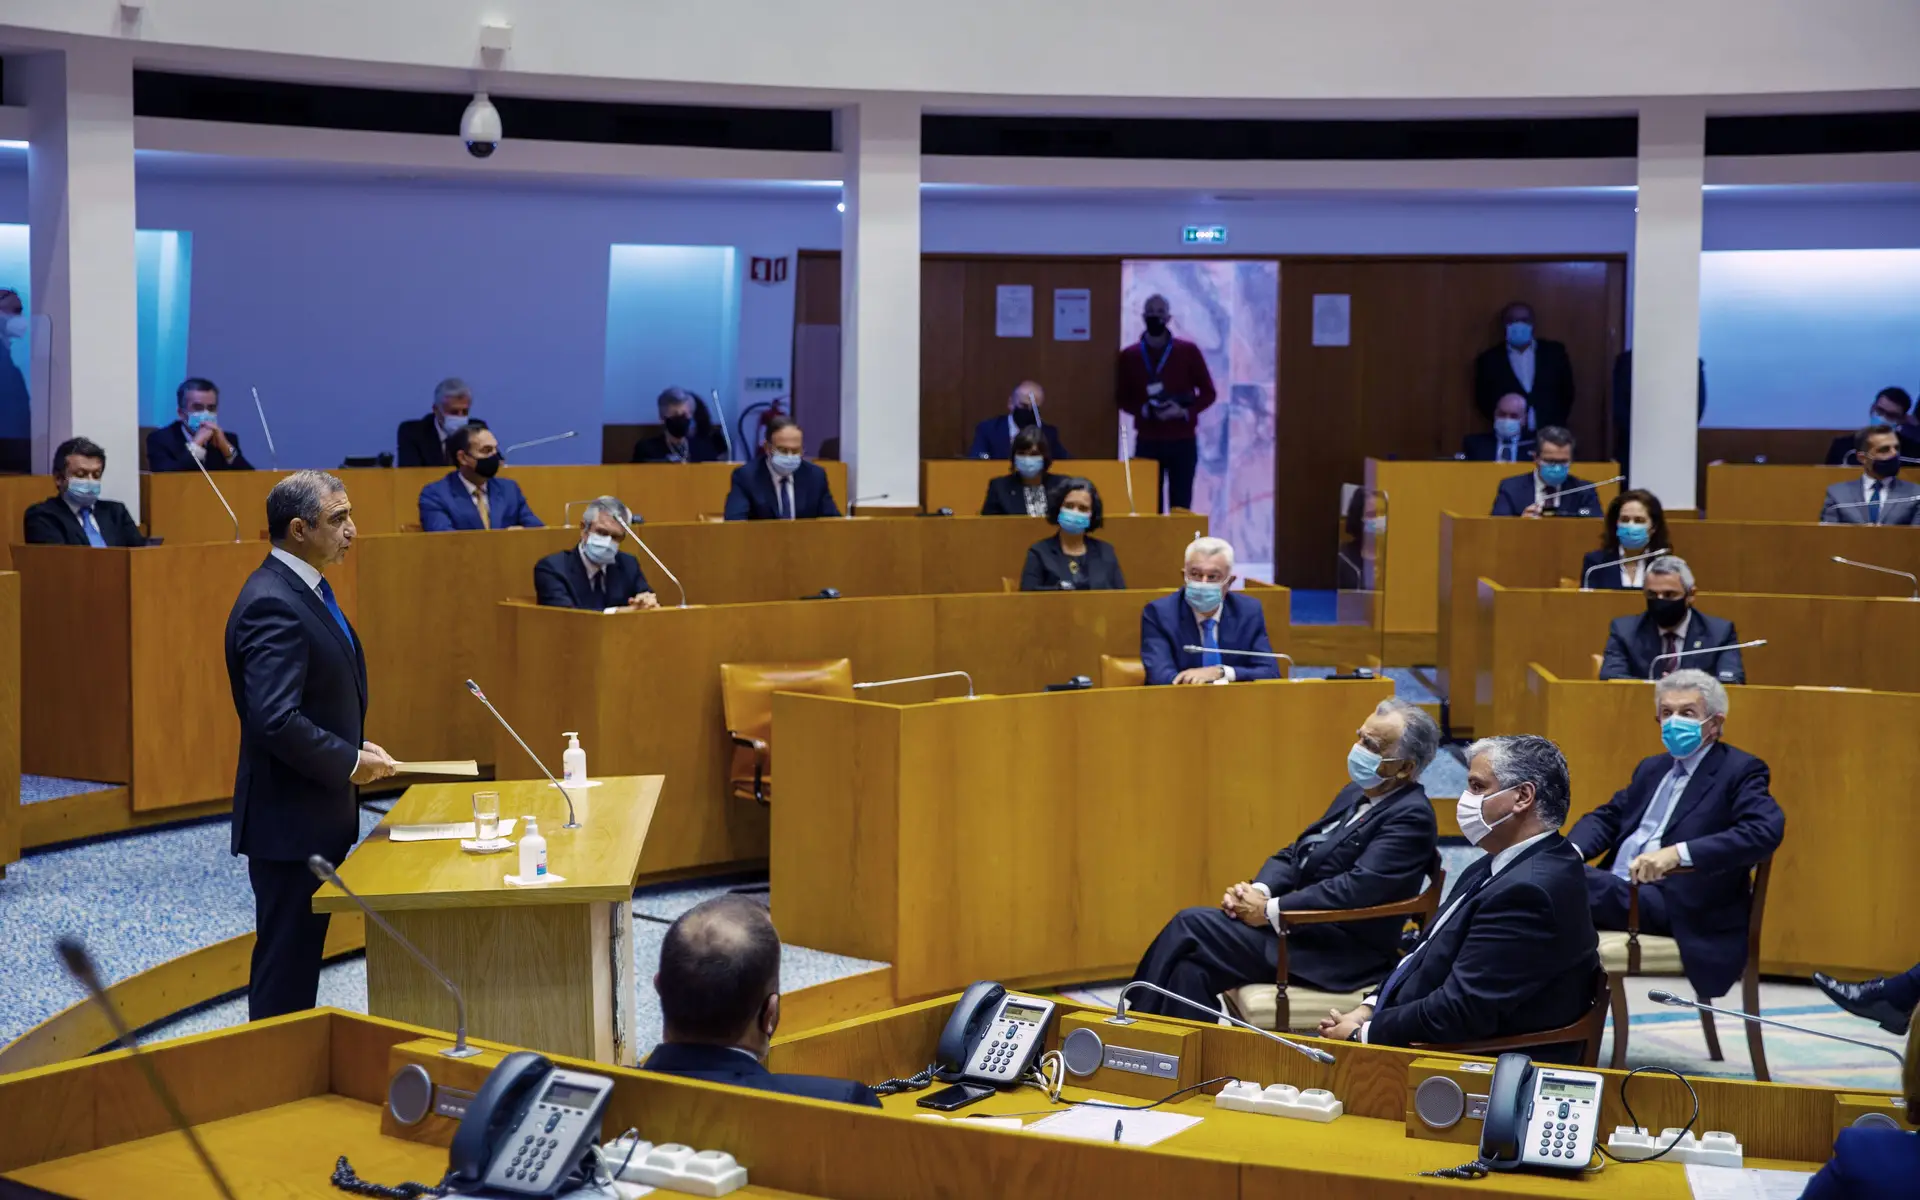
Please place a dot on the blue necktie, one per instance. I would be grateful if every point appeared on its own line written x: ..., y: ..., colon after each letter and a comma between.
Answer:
x: 1209, y: 639
x: 786, y: 498
x: 92, y: 528
x: 1656, y: 817
x: 1873, y: 506
x: 333, y: 606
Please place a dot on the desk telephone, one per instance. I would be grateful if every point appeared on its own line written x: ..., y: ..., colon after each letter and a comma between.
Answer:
x: 1539, y: 1116
x: 993, y: 1036
x: 528, y: 1127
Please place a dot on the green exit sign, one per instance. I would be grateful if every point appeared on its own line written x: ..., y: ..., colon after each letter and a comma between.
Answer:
x: 1205, y: 235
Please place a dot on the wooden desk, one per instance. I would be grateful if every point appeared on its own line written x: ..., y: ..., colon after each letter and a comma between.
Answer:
x: 548, y: 966
x: 643, y: 689
x: 1809, y: 737
x: 1417, y: 493
x: 961, y: 483
x: 1827, y: 641
x: 18, y: 493
x: 887, y: 816
x: 1726, y: 556
x: 1758, y: 492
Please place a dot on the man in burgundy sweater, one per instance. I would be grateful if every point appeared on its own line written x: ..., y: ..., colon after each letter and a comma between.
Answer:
x: 1163, y: 383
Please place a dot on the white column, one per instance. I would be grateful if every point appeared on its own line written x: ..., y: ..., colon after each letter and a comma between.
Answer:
x: 880, y: 300
x: 80, y: 208
x: 1666, y: 299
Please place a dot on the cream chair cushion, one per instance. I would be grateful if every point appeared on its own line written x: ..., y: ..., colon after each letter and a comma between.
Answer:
x: 1305, y: 1007
x: 1658, y: 955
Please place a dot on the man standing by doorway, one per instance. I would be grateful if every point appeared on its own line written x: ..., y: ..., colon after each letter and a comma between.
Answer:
x: 1164, y: 385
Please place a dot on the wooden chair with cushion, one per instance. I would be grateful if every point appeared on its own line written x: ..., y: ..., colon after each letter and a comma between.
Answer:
x: 746, y: 692
x: 1285, y: 1007
x: 1585, y: 1032
x: 1632, y: 953
x: 1121, y: 672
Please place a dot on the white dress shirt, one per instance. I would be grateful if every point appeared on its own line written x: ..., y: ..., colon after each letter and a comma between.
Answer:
x: 1200, y: 620
x: 1522, y: 363
x: 1634, y: 575
x: 793, y: 497
x: 301, y: 567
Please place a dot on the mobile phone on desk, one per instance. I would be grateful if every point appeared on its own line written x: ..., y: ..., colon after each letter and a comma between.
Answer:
x: 959, y: 1095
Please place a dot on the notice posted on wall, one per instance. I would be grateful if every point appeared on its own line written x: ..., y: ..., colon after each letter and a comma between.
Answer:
x: 1073, y: 314
x: 1013, y: 310
x: 1333, y: 319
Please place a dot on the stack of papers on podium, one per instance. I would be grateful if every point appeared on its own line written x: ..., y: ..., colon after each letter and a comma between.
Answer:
x: 1094, y: 1124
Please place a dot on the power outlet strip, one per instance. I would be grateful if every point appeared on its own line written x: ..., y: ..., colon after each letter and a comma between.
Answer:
x: 1279, y: 1100
x: 676, y: 1168
x: 1710, y: 1149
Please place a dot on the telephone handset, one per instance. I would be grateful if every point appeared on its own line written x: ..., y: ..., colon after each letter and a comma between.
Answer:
x: 528, y: 1127
x: 993, y: 1036
x: 1539, y: 1116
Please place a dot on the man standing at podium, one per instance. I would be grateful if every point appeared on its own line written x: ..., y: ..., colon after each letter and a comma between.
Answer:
x: 299, y: 684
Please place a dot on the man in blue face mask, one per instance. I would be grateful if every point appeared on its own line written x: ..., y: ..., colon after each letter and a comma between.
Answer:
x: 78, y: 516
x: 1535, y: 367
x: 1701, y: 804
x: 1551, y: 489
x: 780, y: 484
x: 595, y: 575
x: 1206, y: 632
x: 197, y: 436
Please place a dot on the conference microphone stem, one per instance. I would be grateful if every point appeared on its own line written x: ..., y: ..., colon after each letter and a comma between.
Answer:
x: 1671, y: 1000
x: 656, y: 562
x: 921, y: 679
x: 1618, y: 562
x: 1120, y: 1017
x: 206, y: 475
x: 481, y: 696
x: 272, y: 454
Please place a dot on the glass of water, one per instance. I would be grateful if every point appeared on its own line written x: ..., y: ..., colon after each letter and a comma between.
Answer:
x: 486, y: 816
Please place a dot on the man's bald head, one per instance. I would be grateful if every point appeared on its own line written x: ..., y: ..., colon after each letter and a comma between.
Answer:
x: 719, y: 964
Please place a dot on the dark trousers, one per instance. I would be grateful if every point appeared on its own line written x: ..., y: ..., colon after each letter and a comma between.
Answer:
x: 1607, y: 893
x: 1201, y: 953
x: 1903, y: 991
x: 289, y: 939
x: 1177, y: 461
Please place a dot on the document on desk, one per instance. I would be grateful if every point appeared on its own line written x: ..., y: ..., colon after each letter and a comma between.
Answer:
x: 1743, y: 1183
x: 1093, y: 1124
x: 453, y: 831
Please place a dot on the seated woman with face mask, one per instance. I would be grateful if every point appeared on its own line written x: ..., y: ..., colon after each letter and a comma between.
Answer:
x: 1070, y: 560
x: 1022, y: 492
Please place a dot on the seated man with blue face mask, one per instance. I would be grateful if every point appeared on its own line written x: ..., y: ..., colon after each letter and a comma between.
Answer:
x: 1509, y: 442
x: 78, y: 516
x: 1374, y: 845
x: 595, y: 575
x: 1206, y: 632
x: 1551, y: 489
x: 780, y: 484
x: 197, y: 437
x: 1703, y: 805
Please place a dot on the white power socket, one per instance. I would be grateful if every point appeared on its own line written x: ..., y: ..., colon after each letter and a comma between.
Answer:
x: 675, y: 1168
x: 1710, y: 1149
x: 1279, y: 1100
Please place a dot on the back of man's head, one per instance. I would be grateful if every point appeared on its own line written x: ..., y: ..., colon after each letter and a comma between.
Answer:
x: 719, y: 963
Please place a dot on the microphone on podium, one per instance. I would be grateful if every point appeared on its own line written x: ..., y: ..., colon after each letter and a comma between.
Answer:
x: 540, y: 441
x: 324, y: 872
x: 1618, y: 562
x: 1272, y: 654
x: 79, y: 964
x: 481, y: 696
x: 1884, y: 505
x: 719, y: 420
x: 1120, y: 1017
x: 920, y: 679
x: 1560, y: 493
x: 858, y: 500
x: 1654, y: 666
x: 1906, y: 575
x: 273, y: 455
x: 654, y: 557
x: 204, y: 474
x: 1659, y: 996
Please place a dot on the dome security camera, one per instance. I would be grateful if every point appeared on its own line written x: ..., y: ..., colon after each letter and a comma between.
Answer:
x: 480, y: 126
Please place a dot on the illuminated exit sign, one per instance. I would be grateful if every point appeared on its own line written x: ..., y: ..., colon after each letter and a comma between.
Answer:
x: 1205, y: 235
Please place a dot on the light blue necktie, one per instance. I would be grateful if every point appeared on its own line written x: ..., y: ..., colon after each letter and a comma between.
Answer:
x: 1651, y: 823
x: 92, y: 528
x: 333, y: 606
x: 1209, y: 639
x: 1873, y: 505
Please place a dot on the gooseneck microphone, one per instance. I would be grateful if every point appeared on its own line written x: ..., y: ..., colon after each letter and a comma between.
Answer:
x: 558, y: 437
x: 1560, y: 493
x: 920, y: 679
x: 204, y: 474
x: 720, y: 423
x: 1664, y: 997
x: 1906, y: 575
x: 272, y: 454
x: 859, y: 500
x: 1272, y: 654
x: 656, y: 560
x: 324, y: 872
x: 1120, y: 1017
x: 1654, y: 666
x: 482, y: 697
x: 79, y: 964
x: 1885, y: 504
x: 1618, y: 562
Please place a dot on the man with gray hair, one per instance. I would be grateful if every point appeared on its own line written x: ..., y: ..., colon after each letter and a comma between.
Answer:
x: 423, y: 442
x: 1374, y: 845
x: 1206, y: 633
x: 1672, y: 634
x: 1513, y: 952
x: 595, y: 575
x: 299, y: 684
x: 1702, y: 805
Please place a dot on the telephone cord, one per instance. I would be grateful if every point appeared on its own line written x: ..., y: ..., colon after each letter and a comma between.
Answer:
x: 344, y: 1178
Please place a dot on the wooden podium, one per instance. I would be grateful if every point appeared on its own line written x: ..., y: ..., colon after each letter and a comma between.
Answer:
x: 549, y: 967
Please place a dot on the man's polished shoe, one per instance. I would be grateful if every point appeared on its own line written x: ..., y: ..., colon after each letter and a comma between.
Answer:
x: 1866, y: 999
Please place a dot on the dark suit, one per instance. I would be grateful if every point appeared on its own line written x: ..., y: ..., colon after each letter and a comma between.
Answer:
x: 1634, y: 642
x: 1485, y: 447
x: 753, y: 498
x: 1378, y: 859
x: 300, y: 688
x: 1168, y: 624
x: 1729, y: 821
x: 1842, y: 454
x: 697, y: 448
x: 445, y: 504
x: 1846, y: 503
x: 1868, y: 1164
x: 560, y: 581
x: 1516, y: 496
x: 1607, y: 578
x: 1007, y: 494
x: 1517, y: 956
x: 1552, y: 394
x: 417, y: 443
x: 52, y: 523
x: 167, y: 451
x: 1051, y: 569
x: 991, y: 440
x: 721, y: 1064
